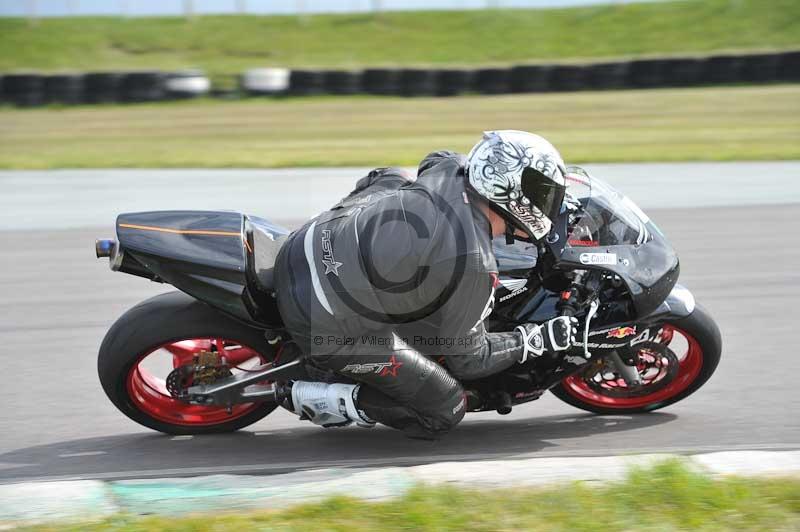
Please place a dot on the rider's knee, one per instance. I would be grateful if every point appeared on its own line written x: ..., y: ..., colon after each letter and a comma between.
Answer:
x: 440, y: 402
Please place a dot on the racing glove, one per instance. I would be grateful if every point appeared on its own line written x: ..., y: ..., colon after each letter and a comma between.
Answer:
x: 552, y: 336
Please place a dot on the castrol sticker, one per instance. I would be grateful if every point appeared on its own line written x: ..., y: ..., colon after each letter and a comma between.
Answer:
x: 607, y: 259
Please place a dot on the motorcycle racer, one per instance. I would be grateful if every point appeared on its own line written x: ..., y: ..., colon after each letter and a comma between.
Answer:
x: 390, y: 287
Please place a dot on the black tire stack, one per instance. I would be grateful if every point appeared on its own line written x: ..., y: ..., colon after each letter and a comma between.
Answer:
x: 601, y: 76
x: 530, y: 78
x: 381, y: 81
x: 65, y: 89
x: 417, y: 82
x: 139, y: 87
x: 102, y: 87
x: 722, y: 69
x: 24, y: 90
x: 342, y: 82
x: 492, y: 81
x: 647, y: 73
x: 789, y: 66
x: 568, y: 78
x: 453, y: 81
x: 306, y: 83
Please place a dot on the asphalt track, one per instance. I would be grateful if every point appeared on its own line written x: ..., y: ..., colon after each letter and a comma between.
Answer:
x: 740, y: 257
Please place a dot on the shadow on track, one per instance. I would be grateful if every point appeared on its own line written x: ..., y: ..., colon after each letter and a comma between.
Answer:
x: 306, y: 447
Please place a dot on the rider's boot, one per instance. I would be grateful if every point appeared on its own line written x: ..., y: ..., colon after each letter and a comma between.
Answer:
x: 329, y: 405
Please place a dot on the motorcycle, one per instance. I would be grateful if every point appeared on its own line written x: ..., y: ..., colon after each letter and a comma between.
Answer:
x: 211, y: 357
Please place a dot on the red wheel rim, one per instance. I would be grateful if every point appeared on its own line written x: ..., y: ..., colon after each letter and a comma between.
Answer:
x: 148, y: 392
x: 690, y: 362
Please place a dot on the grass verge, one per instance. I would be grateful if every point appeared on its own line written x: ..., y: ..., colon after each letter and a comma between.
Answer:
x: 735, y: 123
x: 669, y: 496
x: 225, y: 45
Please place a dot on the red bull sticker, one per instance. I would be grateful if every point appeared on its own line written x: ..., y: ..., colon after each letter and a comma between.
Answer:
x: 621, y: 332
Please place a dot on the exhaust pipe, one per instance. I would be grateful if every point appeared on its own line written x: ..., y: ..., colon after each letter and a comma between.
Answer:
x: 104, y: 248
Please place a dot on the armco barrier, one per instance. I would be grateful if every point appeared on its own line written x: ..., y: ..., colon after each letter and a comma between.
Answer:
x: 530, y: 78
x: 381, y: 81
x: 417, y: 82
x: 341, y: 81
x: 63, y: 88
x: 102, y: 87
x: 492, y: 81
x: 306, y: 82
x: 24, y: 90
x: 452, y: 82
x: 789, y: 66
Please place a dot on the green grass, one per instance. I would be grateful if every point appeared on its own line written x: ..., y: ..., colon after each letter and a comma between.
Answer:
x: 669, y: 496
x: 734, y: 123
x: 226, y: 45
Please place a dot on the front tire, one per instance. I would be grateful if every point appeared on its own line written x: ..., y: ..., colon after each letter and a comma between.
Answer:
x: 703, y: 349
x: 177, y: 325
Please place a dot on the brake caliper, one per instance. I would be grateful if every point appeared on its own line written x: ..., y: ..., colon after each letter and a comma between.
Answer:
x: 206, y: 368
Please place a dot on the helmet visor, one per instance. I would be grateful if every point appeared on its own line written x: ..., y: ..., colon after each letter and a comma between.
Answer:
x: 543, y: 193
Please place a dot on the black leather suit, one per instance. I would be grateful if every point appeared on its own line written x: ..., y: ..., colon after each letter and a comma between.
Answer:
x: 395, y: 277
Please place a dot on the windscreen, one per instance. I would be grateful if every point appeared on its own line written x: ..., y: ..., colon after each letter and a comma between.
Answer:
x: 601, y: 215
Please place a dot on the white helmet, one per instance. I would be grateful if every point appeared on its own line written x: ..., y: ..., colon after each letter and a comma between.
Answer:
x: 522, y: 177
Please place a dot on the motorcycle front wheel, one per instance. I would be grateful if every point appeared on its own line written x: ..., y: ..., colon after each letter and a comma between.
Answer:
x: 145, y: 345
x: 676, y: 364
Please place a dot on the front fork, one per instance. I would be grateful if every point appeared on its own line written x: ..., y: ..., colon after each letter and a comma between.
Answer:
x: 679, y: 304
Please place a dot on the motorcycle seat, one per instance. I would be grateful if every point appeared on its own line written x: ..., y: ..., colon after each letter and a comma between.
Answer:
x: 265, y: 246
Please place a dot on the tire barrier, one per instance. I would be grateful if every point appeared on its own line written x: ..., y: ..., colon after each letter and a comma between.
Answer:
x: 648, y: 73
x: 341, y: 82
x: 452, y: 82
x: 569, y: 78
x: 760, y: 68
x: 530, y: 78
x: 187, y: 84
x: 64, y: 88
x: 417, y: 82
x: 789, y: 66
x: 607, y: 75
x: 32, y: 89
x: 492, y: 81
x: 23, y: 90
x: 102, y: 87
x: 381, y: 81
x: 265, y: 81
x: 306, y: 82
x: 721, y: 69
x: 683, y: 72
x: 143, y: 87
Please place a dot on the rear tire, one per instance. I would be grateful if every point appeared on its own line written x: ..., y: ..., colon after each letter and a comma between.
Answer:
x: 161, y: 320
x: 701, y: 327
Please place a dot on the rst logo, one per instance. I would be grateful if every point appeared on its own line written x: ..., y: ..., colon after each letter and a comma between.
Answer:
x: 606, y: 259
x: 331, y: 265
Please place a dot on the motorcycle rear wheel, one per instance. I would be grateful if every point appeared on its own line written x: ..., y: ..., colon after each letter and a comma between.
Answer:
x: 696, y: 362
x: 176, y: 325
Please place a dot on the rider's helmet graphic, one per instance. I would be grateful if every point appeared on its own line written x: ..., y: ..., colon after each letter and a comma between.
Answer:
x: 521, y: 175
